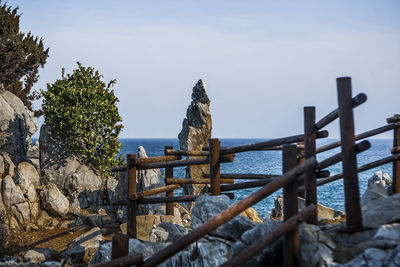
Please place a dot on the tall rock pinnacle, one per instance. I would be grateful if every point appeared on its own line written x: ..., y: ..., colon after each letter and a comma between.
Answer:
x: 196, y: 131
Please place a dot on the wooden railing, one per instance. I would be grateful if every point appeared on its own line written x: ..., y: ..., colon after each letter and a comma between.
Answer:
x: 301, y: 174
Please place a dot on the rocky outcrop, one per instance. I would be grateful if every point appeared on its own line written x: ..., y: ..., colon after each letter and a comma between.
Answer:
x: 17, y: 125
x: 196, y: 132
x: 76, y: 180
x: 207, y: 206
x: 325, y: 214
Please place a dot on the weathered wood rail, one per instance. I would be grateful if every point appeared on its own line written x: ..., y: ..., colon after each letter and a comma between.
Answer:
x: 302, y: 174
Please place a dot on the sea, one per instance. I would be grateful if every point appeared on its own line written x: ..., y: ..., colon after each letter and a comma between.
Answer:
x: 270, y: 162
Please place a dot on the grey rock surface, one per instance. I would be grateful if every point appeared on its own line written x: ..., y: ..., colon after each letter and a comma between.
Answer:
x: 27, y: 178
x: 84, y: 247
x: 53, y: 200
x: 393, y: 258
x: 371, y: 257
x: 195, y: 133
x: 207, y: 206
x: 167, y: 232
x: 387, y: 237
x: 76, y: 180
x: 382, y: 179
x: 380, y: 211
x: 17, y: 125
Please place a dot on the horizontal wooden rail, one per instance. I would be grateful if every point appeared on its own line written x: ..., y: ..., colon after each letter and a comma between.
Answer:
x: 362, y: 168
x: 154, y: 191
x: 356, y: 101
x: 195, y: 181
x: 228, y: 214
x: 187, y: 162
x: 249, y: 184
x: 360, y: 136
x: 360, y: 147
x: 269, y: 143
x: 268, y: 239
x: 261, y: 149
x: 159, y: 200
x: 240, y: 176
x: 139, y: 161
x: 126, y: 261
x: 186, y: 153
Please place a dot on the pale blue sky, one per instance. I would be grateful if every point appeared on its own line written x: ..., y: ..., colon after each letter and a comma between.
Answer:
x: 261, y: 60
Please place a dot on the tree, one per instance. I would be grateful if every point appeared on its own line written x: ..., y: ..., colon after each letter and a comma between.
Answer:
x: 82, y: 110
x: 21, y: 55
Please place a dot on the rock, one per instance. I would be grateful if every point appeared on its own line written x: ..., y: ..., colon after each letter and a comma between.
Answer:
x: 21, y: 212
x: 201, y: 254
x: 53, y: 200
x: 207, y: 206
x: 383, y: 180
x: 40, y: 255
x: 51, y: 264
x: 78, y: 182
x: 27, y: 179
x: 387, y: 237
x: 371, y: 257
x: 167, y: 232
x: 381, y: 211
x: 195, y: 133
x: 44, y: 219
x: 12, y: 194
x: 34, y: 154
x: 374, y: 191
x: 84, y: 247
x: 8, y: 165
x: 252, y: 215
x: 4, y: 225
x: 148, y: 179
x: 145, y: 223
x: 393, y: 258
x: 325, y: 214
x: 17, y: 125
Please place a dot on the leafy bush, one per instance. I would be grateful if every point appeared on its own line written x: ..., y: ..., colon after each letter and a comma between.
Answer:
x: 82, y: 110
x: 21, y: 55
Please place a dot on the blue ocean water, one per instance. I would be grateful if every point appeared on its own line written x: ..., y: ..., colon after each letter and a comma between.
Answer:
x: 270, y: 162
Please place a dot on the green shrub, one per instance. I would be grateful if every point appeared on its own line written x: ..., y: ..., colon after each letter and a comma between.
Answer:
x: 82, y: 110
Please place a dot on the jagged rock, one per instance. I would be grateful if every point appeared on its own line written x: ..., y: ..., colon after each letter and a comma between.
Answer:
x: 371, y: 257
x: 78, y: 182
x: 387, y: 237
x: 374, y: 191
x: 325, y: 214
x: 27, y: 179
x: 84, y: 247
x: 34, y: 154
x: 207, y: 206
x: 196, y: 132
x: 145, y: 223
x: 382, y: 179
x: 197, y: 255
x: 12, y: 194
x: 53, y: 200
x: 9, y: 167
x: 381, y: 211
x: 17, y: 125
x: 252, y: 215
x: 167, y: 232
x: 393, y: 258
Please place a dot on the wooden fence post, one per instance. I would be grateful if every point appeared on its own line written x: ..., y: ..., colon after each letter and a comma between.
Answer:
x: 349, y: 160
x: 301, y: 160
x: 396, y: 163
x: 169, y: 173
x: 310, y: 134
x: 215, y: 166
x: 291, y: 247
x: 120, y: 246
x: 132, y: 204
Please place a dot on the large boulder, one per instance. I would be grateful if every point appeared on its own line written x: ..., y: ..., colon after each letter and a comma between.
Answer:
x: 53, y: 200
x: 206, y: 207
x: 379, y: 211
x: 196, y: 132
x: 17, y: 125
x: 58, y: 165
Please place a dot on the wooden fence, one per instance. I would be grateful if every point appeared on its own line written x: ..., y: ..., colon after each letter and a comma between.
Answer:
x: 302, y: 174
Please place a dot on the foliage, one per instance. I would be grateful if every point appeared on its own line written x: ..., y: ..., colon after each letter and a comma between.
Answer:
x: 82, y: 110
x: 21, y: 55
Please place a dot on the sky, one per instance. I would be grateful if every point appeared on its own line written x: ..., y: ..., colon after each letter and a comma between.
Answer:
x: 262, y: 61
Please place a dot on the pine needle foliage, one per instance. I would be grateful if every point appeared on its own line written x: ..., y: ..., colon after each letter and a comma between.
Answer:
x: 21, y: 56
